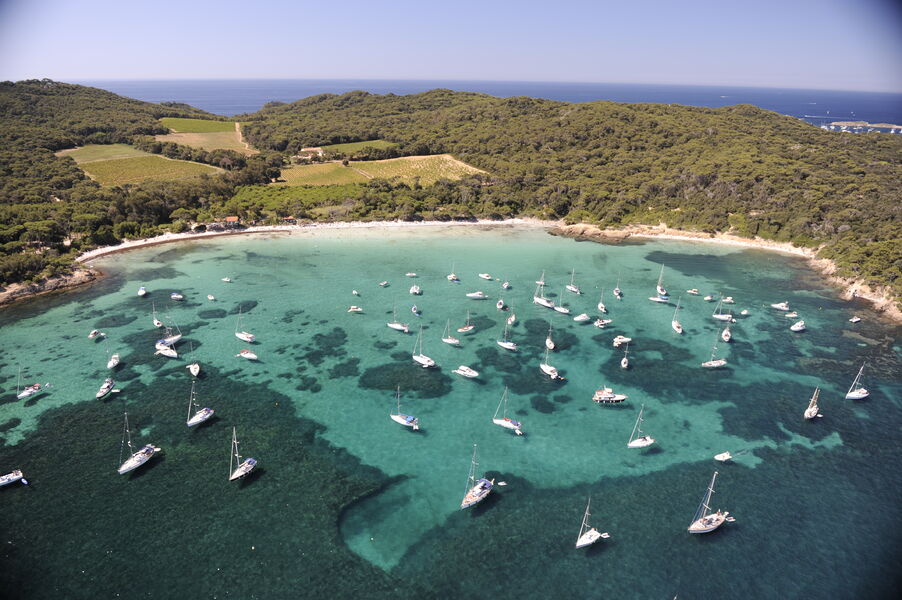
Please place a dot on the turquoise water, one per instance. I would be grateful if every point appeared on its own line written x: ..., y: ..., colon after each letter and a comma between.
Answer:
x: 346, y: 502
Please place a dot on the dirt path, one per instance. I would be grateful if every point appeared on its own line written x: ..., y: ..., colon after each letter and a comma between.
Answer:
x: 241, y: 137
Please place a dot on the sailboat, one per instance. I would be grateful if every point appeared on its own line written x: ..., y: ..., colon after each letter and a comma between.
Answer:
x: 137, y: 458
x: 617, y: 291
x: 477, y: 490
x: 726, y: 335
x: 561, y: 308
x: 714, y: 363
x: 548, y: 369
x: 588, y: 535
x: 243, y: 467
x: 468, y: 327
x: 677, y: 326
x: 511, y: 319
x: 549, y: 343
x: 112, y: 361
x: 572, y: 287
x: 156, y: 321
x: 451, y: 276
x: 405, y: 420
x: 244, y: 336
x: 29, y: 390
x: 505, y: 341
x: 165, y: 349
x: 539, y: 297
x: 856, y: 390
x: 721, y: 316
x: 704, y: 520
x: 812, y: 410
x: 541, y: 280
x: 194, y: 367
x: 447, y: 337
x: 201, y: 414
x: 418, y: 356
x: 505, y: 421
x: 601, y: 306
x: 625, y: 361
x: 637, y: 440
x: 395, y: 324
x: 660, y: 287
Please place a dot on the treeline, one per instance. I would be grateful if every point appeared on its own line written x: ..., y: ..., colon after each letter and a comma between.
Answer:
x: 737, y: 168
x: 49, y: 209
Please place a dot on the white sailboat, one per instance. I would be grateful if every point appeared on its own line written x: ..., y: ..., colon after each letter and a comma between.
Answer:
x: 560, y: 307
x: 451, y: 276
x: 244, y: 336
x: 196, y: 415
x: 112, y: 361
x: 505, y: 342
x: 548, y: 369
x: 395, y: 324
x: 714, y: 363
x: 467, y: 327
x: 618, y: 293
x: 726, y: 335
x: 541, y: 280
x: 405, y: 420
x: 539, y: 297
x: 588, y: 535
x: 243, y: 467
x: 156, y: 321
x: 549, y: 343
x: 29, y: 390
x: 572, y: 287
x: 704, y: 520
x: 856, y: 390
x: 675, y: 323
x: 477, y: 490
x: 164, y: 349
x: 660, y: 287
x: 637, y: 439
x: 418, y: 356
x: 504, y: 420
x: 416, y: 290
x: 194, y: 367
x: 447, y: 337
x: 601, y: 306
x: 625, y: 361
x: 719, y: 315
x: 136, y: 459
x: 812, y: 410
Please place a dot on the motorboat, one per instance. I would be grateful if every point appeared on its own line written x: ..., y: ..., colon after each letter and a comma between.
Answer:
x: 500, y: 304
x: 383, y: 284
x: 506, y: 285
x: 548, y: 369
x: 621, y: 339
x: 32, y: 390
x: 661, y: 299
x: 723, y: 457
x: 95, y: 333
x: 248, y: 354
x: 105, y: 388
x: 798, y: 326
x: 744, y: 312
x: 211, y: 297
x: 355, y: 293
x: 452, y: 277
x: 693, y: 291
x: 726, y: 335
x: 855, y: 319
x: 465, y: 371
x: 415, y: 310
x: 410, y: 274
x: 791, y: 315
x: 142, y: 291
x: 582, y: 318
x: 485, y: 276
x: 728, y: 300
x: 708, y: 298
x: 113, y: 361
x: 478, y: 295
x: 352, y: 309
x: 781, y: 306
x: 607, y: 396
x: 415, y: 290
x: 600, y: 323
x: 176, y: 296
x: 227, y: 279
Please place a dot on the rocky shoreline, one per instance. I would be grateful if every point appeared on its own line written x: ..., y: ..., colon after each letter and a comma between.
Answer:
x: 20, y: 291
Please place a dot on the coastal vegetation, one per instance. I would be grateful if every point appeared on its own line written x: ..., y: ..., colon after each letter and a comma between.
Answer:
x: 204, y: 134
x: 184, y: 125
x: 736, y: 169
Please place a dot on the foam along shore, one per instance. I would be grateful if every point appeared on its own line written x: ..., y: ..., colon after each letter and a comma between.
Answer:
x: 882, y: 299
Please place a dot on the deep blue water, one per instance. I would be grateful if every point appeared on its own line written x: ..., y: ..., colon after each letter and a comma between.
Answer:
x: 235, y: 96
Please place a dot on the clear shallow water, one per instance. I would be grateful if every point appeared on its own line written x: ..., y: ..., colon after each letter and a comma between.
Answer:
x: 346, y: 501
x: 235, y: 96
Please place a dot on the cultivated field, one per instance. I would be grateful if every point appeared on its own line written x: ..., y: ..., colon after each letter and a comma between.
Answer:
x: 207, y: 135
x: 121, y: 171
x: 352, y: 147
x: 428, y: 169
x: 93, y: 152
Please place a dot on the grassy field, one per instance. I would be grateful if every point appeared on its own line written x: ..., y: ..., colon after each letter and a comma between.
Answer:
x: 143, y: 168
x: 428, y: 169
x: 353, y: 147
x: 93, y: 152
x: 197, y: 125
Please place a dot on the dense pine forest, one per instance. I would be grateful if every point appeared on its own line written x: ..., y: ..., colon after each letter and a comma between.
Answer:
x: 739, y: 169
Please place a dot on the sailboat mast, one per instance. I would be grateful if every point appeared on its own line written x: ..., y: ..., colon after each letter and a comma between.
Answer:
x: 471, y: 479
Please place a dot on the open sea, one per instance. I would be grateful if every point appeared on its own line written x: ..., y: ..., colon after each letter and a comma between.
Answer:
x: 235, y: 96
x: 346, y: 503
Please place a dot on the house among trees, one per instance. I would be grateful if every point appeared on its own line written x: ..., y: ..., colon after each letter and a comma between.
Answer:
x: 307, y: 154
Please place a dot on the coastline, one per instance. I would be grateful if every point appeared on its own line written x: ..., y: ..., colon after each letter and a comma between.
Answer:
x: 883, y: 302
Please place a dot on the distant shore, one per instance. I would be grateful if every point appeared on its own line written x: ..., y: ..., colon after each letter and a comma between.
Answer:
x: 883, y: 302
x: 865, y: 124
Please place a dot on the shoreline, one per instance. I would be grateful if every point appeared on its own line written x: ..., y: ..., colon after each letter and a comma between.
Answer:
x: 883, y: 303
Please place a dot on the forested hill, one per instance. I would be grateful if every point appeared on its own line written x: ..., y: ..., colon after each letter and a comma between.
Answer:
x: 736, y: 168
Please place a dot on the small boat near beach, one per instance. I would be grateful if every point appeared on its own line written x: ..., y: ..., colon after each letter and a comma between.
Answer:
x: 452, y: 276
x: 211, y: 297
x: 572, y: 287
x: 601, y: 307
x: 243, y: 467
x: 723, y: 457
x: 662, y: 293
x: 410, y: 274
x: 504, y: 420
x: 601, y: 323
x: 500, y: 304
x: 383, y: 284
x: 588, y: 535
x: 95, y: 334
x: 477, y: 489
x: 704, y: 520
x: 465, y: 371
x: 113, y: 361
x: 138, y: 458
x: 227, y: 279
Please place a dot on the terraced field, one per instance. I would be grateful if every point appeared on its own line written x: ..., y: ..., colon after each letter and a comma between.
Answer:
x: 428, y: 169
x: 204, y: 134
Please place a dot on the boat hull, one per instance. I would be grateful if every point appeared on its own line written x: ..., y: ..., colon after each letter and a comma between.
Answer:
x: 138, y: 458
x: 477, y: 493
x: 641, y: 442
x: 243, y: 469
x: 465, y: 371
x: 590, y: 537
x: 859, y: 394
x: 423, y: 360
x: 709, y: 523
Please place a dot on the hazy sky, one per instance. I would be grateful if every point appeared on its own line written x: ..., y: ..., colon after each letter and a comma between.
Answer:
x: 834, y: 44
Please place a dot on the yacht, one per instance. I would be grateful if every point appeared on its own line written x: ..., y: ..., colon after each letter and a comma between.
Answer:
x: 12, y: 477
x: 855, y: 319
x: 243, y: 467
x: 582, y: 318
x: 395, y: 324
x: 211, y: 297
x: 351, y: 309
x: 607, y: 396
x: 447, y: 337
x: 728, y: 300
x: 485, y: 276
x: 781, y: 306
x: 176, y: 296
x: 693, y: 291
x: 500, y: 304
x: 478, y: 295
x: 95, y: 334
x: 621, y: 339
x: 227, y: 279
x: 791, y: 315
x: 600, y: 323
x: 465, y: 371
x: 105, y: 388
x: 383, y: 284
x: 798, y: 326
x: 410, y: 274
x: 415, y: 290
x: 196, y: 417
x: 248, y: 354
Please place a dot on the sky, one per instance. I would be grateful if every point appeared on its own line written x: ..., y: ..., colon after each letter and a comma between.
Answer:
x: 817, y: 44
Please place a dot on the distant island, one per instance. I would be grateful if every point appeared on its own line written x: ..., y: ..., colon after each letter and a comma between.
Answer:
x: 85, y: 168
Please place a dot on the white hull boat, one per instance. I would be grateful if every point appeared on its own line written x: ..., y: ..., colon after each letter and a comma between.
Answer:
x: 607, y: 396
x: 401, y: 418
x: 798, y: 326
x: 582, y: 318
x: 812, y: 410
x: 415, y: 290
x: 105, y: 388
x: 548, y: 369
x: 196, y: 415
x: 620, y: 340
x: 113, y: 362
x: 485, y: 276
x: 704, y: 520
x: 856, y: 390
x: 660, y: 299
x: 243, y: 466
x: 246, y: 354
x: 465, y: 371
x: 588, y: 535
x: 477, y: 490
x: 503, y: 420
x: 601, y: 323
x: 194, y: 369
x: 637, y: 439
x: 726, y: 335
x: 12, y: 477
x: 784, y: 306
x: 355, y: 309
x: 142, y: 291
x: 467, y: 327
x: 418, y: 356
x: 399, y: 326
x: 478, y: 295
x: 137, y: 458
x: 245, y: 336
x: 448, y: 338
